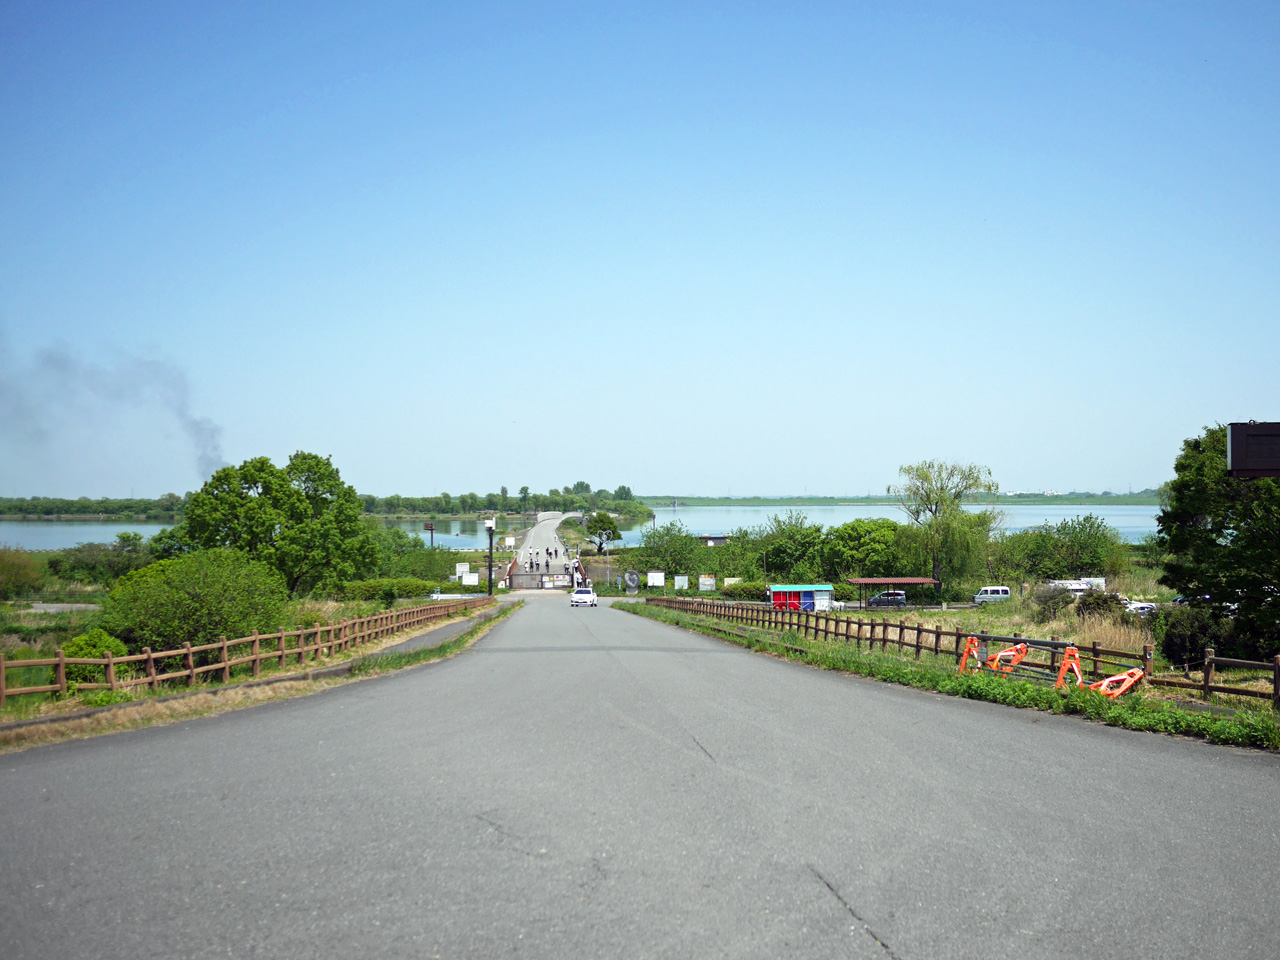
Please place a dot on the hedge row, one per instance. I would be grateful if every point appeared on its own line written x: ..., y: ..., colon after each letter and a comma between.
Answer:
x: 403, y: 587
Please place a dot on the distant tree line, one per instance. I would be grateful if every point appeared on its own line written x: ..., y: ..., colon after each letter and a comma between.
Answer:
x: 168, y: 507
x: 578, y: 497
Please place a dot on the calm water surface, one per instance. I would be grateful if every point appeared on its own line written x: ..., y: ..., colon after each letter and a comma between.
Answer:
x: 1132, y: 522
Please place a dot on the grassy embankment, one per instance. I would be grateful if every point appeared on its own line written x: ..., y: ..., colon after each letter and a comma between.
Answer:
x: 209, y: 698
x: 27, y: 634
x: 1252, y: 725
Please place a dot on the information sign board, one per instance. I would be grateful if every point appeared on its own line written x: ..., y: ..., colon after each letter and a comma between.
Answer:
x: 706, y: 582
x: 682, y: 581
x: 657, y: 578
x: 471, y: 579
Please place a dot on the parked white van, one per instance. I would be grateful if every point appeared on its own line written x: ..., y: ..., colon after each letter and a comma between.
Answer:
x: 991, y: 594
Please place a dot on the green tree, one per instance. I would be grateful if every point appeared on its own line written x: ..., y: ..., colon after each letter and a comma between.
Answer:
x: 603, y: 529
x: 792, y: 546
x: 861, y: 548
x: 1223, y: 539
x: 524, y: 498
x: 194, y: 599
x: 623, y: 493
x: 300, y: 519
x: 504, y: 501
x: 669, y: 547
x: 932, y: 494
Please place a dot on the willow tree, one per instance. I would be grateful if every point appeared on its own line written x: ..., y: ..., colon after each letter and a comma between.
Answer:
x: 932, y: 494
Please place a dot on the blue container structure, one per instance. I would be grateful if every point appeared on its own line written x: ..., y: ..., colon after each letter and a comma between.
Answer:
x: 807, y: 596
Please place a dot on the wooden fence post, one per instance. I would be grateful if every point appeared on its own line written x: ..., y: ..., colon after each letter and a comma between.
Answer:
x: 1275, y: 682
x: 110, y: 671
x: 2, y: 678
x: 1148, y: 662
x: 1208, y: 670
x: 917, y: 640
x: 280, y: 649
x: 189, y: 662
x: 257, y: 654
x: 61, y: 673
x: 937, y: 639
x: 1095, y: 659
x: 226, y: 660
x: 149, y: 665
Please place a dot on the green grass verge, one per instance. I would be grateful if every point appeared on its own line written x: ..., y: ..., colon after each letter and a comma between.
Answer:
x: 386, y: 662
x: 1249, y: 727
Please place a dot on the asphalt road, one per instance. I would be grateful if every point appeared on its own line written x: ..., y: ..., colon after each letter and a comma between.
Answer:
x: 588, y: 784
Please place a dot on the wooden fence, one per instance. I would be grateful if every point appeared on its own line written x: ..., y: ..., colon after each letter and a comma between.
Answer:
x: 1096, y: 661
x: 153, y: 668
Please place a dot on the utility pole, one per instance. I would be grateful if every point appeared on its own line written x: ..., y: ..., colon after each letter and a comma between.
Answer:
x: 489, y: 524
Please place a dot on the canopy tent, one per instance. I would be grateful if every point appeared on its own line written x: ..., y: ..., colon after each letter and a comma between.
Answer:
x: 890, y: 582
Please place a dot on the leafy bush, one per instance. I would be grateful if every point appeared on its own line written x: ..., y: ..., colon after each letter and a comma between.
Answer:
x: 19, y: 573
x: 1096, y: 603
x: 1049, y: 603
x: 378, y: 589
x: 844, y: 592
x: 95, y: 644
x: 1189, y: 630
x: 747, y: 590
x: 194, y: 599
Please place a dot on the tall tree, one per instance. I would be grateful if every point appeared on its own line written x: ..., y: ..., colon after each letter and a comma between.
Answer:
x: 300, y: 519
x: 603, y: 529
x: 1223, y: 536
x: 931, y: 494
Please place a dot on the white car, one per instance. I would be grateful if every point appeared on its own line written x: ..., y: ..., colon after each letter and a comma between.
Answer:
x: 582, y: 597
x: 1139, y: 607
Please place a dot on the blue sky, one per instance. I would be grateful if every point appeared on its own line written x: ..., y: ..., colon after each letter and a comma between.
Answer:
x: 699, y: 249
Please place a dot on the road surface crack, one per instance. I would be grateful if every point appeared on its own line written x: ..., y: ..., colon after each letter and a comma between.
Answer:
x: 853, y: 913
x: 702, y: 748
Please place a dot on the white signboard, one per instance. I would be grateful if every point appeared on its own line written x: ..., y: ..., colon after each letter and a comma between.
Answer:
x: 471, y: 579
x: 657, y: 578
x: 561, y: 579
x: 460, y: 568
x: 706, y: 582
x: 730, y: 581
x: 509, y: 541
x: 682, y: 581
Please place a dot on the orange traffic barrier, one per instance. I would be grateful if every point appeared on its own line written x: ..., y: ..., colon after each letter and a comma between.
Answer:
x: 1124, y: 681
x: 970, y: 649
x: 1004, y: 661
x: 1070, y: 660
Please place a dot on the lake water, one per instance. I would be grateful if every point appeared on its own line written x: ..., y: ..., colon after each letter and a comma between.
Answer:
x: 1132, y: 522
x: 58, y: 535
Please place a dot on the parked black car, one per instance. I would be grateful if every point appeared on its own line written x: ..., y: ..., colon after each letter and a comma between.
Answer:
x: 889, y: 598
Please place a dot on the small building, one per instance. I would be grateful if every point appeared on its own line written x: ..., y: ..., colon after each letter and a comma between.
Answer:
x: 808, y: 596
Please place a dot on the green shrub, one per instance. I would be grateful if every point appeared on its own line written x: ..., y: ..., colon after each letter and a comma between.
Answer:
x: 747, y: 590
x: 393, y: 587
x: 844, y: 592
x: 95, y: 644
x: 1096, y: 603
x: 195, y: 598
x: 19, y: 573
x: 1049, y: 603
x: 1189, y: 630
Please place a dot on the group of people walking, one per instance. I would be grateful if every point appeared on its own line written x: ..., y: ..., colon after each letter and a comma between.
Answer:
x: 538, y: 556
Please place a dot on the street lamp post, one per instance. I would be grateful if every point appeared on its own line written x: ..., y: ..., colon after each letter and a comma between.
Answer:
x: 489, y: 524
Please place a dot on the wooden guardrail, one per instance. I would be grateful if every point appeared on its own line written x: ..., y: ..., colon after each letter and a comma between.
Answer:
x: 185, y: 662
x: 1096, y: 661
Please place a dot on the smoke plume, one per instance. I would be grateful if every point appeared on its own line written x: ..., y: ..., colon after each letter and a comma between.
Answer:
x: 57, y: 384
